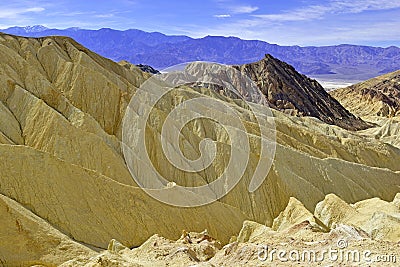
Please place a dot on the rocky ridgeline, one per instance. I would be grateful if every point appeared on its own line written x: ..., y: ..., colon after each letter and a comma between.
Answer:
x: 296, y: 94
x: 369, y: 225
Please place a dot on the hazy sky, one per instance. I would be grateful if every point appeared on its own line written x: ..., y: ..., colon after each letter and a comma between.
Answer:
x: 301, y: 22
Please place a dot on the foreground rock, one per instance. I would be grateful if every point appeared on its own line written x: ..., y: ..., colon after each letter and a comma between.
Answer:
x: 27, y: 239
x: 302, y: 241
x: 378, y: 218
x: 347, y: 233
x: 100, y: 208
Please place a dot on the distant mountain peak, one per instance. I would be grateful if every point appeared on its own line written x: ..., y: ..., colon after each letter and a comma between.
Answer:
x: 35, y: 28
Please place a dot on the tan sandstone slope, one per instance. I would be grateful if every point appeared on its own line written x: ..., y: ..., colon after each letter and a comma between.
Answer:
x: 378, y: 101
x: 379, y: 96
x: 61, y: 109
x: 349, y: 229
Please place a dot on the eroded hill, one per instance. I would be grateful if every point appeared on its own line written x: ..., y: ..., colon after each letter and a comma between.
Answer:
x: 379, y: 96
x: 64, y: 178
x: 293, y: 93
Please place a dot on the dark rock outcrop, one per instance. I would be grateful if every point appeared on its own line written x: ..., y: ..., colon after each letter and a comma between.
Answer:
x: 291, y: 92
x: 147, y: 68
x: 144, y: 68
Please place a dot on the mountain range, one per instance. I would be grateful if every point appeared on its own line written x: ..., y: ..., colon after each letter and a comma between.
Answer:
x: 339, y: 62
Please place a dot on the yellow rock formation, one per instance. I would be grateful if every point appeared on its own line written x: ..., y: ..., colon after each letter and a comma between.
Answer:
x: 302, y: 242
x: 27, y: 239
x: 61, y: 158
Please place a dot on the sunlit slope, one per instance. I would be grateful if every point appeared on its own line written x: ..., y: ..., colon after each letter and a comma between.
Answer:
x: 61, y: 111
x: 379, y: 96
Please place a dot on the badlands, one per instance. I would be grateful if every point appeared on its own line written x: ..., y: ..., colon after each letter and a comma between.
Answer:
x: 67, y: 196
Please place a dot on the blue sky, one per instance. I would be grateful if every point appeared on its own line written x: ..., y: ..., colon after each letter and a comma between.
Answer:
x: 292, y: 22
